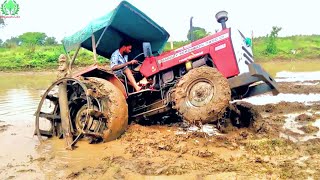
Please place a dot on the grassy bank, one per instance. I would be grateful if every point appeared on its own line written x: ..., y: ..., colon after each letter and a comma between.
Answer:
x: 39, y: 57
x: 289, y: 48
x: 45, y: 57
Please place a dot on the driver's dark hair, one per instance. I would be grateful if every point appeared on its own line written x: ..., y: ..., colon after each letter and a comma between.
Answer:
x: 125, y: 43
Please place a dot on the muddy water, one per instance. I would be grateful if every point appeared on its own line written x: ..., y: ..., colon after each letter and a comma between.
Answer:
x: 21, y: 154
x: 274, y: 67
x: 19, y: 96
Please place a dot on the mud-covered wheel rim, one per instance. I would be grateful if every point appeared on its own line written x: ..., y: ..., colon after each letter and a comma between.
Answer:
x: 202, y: 95
x: 56, y: 112
x: 200, y: 92
x: 113, y: 105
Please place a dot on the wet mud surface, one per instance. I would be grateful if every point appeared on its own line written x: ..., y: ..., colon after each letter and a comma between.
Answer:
x: 306, y: 87
x: 3, y: 126
x: 282, y: 143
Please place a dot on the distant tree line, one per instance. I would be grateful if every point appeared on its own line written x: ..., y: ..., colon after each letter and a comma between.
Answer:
x: 29, y: 39
x: 197, y: 32
x: 33, y: 39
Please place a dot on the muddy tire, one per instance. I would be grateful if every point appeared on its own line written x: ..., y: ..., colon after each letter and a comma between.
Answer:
x: 239, y: 115
x: 202, y: 95
x: 114, y: 106
x: 243, y: 114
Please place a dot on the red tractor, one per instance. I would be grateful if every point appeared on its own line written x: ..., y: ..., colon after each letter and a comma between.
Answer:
x: 195, y: 82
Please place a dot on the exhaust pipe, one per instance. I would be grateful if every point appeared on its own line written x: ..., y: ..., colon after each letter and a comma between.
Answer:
x: 222, y: 18
x: 191, y: 30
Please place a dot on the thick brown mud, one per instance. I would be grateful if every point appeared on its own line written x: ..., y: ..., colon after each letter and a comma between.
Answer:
x: 300, y: 88
x: 157, y: 151
x: 287, y: 107
x: 309, y: 129
x: 264, y: 150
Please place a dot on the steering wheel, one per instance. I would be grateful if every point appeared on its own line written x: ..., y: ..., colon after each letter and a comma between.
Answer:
x: 133, y: 66
x: 137, y: 57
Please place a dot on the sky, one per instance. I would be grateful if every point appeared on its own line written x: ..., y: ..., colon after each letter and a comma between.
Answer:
x: 60, y: 18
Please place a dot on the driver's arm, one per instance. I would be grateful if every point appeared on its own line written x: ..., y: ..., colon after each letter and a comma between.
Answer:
x: 120, y: 66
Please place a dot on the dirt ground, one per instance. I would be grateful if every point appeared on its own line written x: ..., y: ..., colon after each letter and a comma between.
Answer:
x: 306, y: 87
x: 270, y: 149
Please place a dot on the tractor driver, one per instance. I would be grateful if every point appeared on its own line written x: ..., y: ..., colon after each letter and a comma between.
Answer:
x: 119, y: 64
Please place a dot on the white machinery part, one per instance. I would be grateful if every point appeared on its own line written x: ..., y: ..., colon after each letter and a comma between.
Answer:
x: 243, y: 53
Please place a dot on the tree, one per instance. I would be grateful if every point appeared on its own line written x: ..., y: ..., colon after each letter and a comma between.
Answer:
x: 12, y: 42
x: 1, y: 42
x: 50, y: 41
x: 33, y: 38
x: 198, y: 33
x: 271, y: 40
x: 1, y: 22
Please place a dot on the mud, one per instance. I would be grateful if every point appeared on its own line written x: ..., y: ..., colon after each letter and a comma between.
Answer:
x: 156, y: 151
x: 306, y: 118
x: 274, y: 146
x: 3, y: 126
x: 300, y: 88
x: 287, y: 107
x: 309, y: 129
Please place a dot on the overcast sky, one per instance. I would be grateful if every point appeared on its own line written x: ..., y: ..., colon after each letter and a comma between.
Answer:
x: 59, y: 18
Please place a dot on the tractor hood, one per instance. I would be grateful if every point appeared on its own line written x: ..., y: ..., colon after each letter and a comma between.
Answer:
x: 125, y: 22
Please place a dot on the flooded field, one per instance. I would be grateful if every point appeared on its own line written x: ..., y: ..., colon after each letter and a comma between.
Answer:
x: 284, y: 143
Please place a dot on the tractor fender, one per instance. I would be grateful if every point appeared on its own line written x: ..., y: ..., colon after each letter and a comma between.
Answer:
x: 103, y: 73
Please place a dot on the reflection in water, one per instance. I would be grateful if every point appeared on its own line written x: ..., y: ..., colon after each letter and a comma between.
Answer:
x: 34, y: 80
x: 19, y: 97
x: 16, y: 102
x: 272, y: 67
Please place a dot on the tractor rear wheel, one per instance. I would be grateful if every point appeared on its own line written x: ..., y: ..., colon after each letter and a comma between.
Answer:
x: 114, y: 106
x: 98, y: 110
x: 202, y: 95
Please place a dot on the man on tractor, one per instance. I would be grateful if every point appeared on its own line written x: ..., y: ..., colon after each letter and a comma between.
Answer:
x: 119, y: 64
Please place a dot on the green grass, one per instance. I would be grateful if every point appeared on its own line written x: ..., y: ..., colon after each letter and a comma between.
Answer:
x: 39, y: 57
x: 305, y: 47
x: 45, y: 57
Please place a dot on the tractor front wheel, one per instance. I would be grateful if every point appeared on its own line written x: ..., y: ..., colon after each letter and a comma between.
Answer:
x: 202, y: 95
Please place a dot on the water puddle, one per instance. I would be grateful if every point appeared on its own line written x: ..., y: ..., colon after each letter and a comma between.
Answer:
x: 270, y: 99
x: 209, y: 129
x: 295, y: 133
x: 285, y: 76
